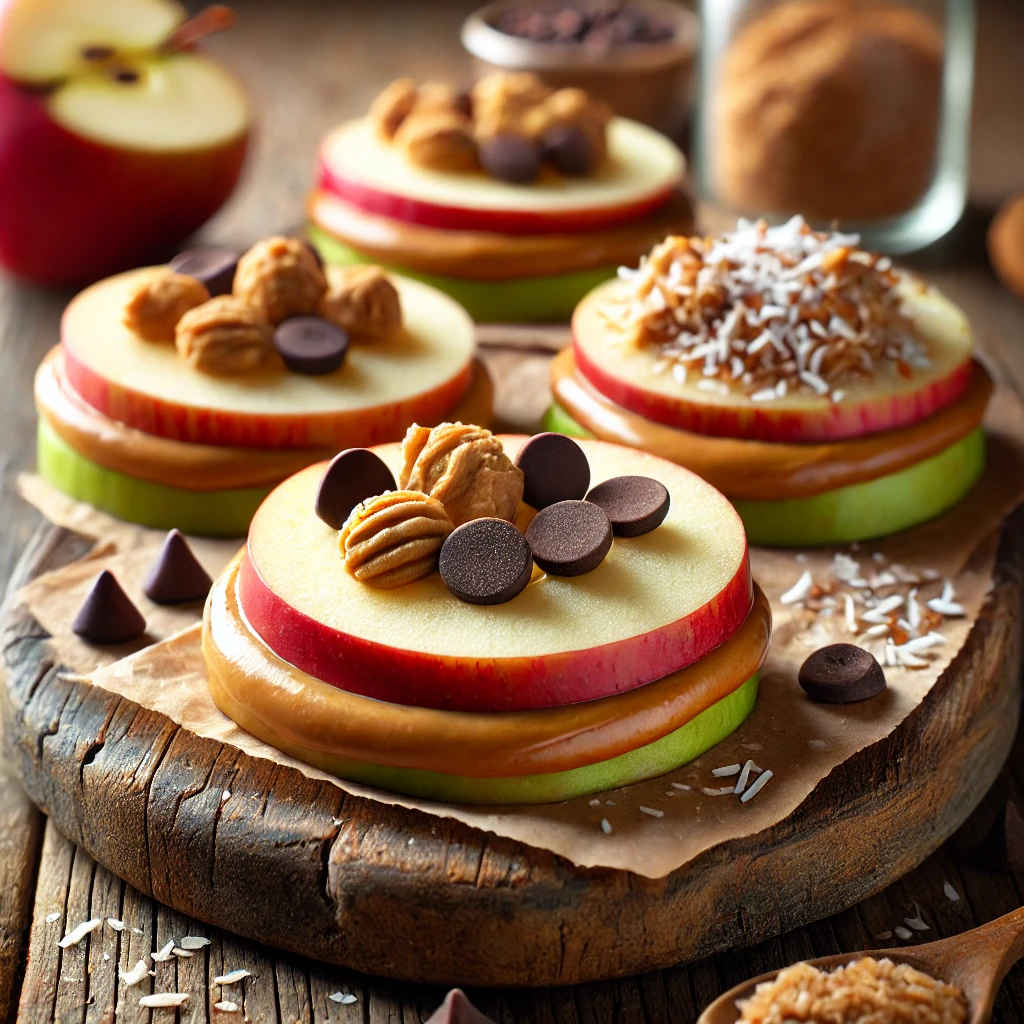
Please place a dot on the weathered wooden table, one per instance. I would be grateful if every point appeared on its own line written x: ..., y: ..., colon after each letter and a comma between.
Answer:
x: 308, y: 65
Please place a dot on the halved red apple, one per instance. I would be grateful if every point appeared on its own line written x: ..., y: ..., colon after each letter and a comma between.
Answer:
x: 656, y: 604
x: 629, y: 376
x: 112, y: 149
x: 417, y: 374
x: 642, y: 171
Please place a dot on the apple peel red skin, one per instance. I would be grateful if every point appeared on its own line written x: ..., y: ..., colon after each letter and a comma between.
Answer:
x: 74, y: 211
x: 506, y: 222
x: 359, y: 428
x: 836, y: 421
x: 497, y: 684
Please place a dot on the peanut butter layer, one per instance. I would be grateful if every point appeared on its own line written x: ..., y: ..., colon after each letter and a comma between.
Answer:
x: 291, y: 710
x: 193, y: 467
x: 487, y: 256
x: 768, y: 470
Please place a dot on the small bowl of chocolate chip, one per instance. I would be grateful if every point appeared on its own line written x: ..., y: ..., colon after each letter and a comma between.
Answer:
x: 636, y: 55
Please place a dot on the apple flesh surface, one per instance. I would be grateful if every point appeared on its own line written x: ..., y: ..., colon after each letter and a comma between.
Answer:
x: 627, y: 375
x: 656, y: 604
x: 108, y: 163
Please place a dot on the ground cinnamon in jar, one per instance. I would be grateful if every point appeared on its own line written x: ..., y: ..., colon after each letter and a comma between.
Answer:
x: 830, y: 108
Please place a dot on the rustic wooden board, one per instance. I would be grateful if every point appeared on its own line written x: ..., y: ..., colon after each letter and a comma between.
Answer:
x: 299, y: 865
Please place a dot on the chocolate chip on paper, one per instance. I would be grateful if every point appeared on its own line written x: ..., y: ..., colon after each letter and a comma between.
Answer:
x: 841, y: 673
x: 570, y: 538
x: 108, y: 615
x: 176, y: 575
x: 352, y: 476
x: 486, y: 561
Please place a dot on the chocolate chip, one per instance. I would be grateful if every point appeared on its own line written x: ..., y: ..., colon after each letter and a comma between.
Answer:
x: 841, y: 673
x: 212, y: 265
x: 457, y: 1009
x: 634, y: 504
x: 570, y: 538
x: 311, y: 345
x: 513, y: 158
x: 176, y: 575
x: 486, y: 561
x: 107, y: 615
x: 568, y: 149
x: 555, y: 468
x: 353, y: 476
x: 1003, y: 846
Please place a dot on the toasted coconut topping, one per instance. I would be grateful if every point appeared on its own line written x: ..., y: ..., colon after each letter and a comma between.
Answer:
x: 771, y: 310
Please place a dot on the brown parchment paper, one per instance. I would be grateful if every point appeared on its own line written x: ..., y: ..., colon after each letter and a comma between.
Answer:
x: 799, y: 740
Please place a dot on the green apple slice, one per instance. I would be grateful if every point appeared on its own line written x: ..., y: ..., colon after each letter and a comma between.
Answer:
x: 874, y: 508
x: 523, y: 300
x: 206, y: 513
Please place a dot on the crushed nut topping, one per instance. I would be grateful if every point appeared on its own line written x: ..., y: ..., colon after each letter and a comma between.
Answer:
x: 464, y: 467
x: 158, y: 302
x: 280, y: 277
x: 772, y: 310
x: 394, y: 538
x: 225, y: 337
x: 363, y: 302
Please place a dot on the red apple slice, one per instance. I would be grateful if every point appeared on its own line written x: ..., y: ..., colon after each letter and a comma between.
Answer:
x: 418, y: 374
x: 630, y: 377
x: 641, y: 173
x: 656, y: 604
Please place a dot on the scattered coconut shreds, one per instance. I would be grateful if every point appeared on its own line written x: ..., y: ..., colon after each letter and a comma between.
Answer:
x: 226, y: 1006
x: 606, y: 826
x: 681, y: 785
x: 741, y: 782
x: 595, y: 802
x: 817, y: 744
x: 944, y: 604
x: 166, y: 953
x: 951, y: 894
x: 652, y: 811
x: 232, y: 977
x: 727, y: 770
x: 75, y: 936
x: 800, y: 590
x: 118, y: 926
x: 883, y: 609
x: 50, y: 918
x: 756, y: 786
x: 183, y: 953
x: 883, y: 936
x: 164, y: 999
x: 872, y: 632
x: 850, y: 613
x: 751, y: 746
x: 345, y: 998
x: 106, y: 956
x: 904, y: 933
x: 916, y: 923
x: 193, y: 942
x: 226, y: 795
x: 135, y: 975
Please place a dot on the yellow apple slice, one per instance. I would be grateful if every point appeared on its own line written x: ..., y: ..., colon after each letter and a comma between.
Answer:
x: 418, y: 374
x: 656, y: 604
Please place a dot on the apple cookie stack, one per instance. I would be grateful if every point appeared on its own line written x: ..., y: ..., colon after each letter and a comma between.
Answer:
x: 490, y: 619
x: 516, y: 199
x: 832, y: 397
x: 179, y: 396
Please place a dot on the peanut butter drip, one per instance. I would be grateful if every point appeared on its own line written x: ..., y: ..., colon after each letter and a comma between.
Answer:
x: 464, y: 467
x: 280, y: 278
x: 395, y: 538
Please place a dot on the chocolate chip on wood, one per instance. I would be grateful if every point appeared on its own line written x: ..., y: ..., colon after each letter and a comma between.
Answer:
x: 107, y: 615
x: 841, y: 673
x: 311, y: 345
x: 486, y: 561
x: 555, y: 468
x: 352, y: 476
x: 213, y: 265
x: 570, y: 538
x: 634, y: 504
x: 176, y: 575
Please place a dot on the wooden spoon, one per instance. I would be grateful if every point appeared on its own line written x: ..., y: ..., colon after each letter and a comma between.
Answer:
x: 975, y: 961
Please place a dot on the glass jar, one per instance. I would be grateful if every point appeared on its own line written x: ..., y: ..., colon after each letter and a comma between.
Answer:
x: 853, y: 113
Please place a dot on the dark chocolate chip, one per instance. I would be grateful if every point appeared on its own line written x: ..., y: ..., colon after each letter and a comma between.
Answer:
x: 1003, y: 845
x: 126, y: 76
x: 457, y: 1009
x: 513, y: 158
x: 212, y: 265
x: 353, y: 476
x: 311, y: 345
x: 176, y: 575
x: 486, y: 561
x: 107, y: 615
x: 568, y: 149
x: 570, y: 538
x: 555, y: 468
x: 841, y: 673
x: 634, y: 504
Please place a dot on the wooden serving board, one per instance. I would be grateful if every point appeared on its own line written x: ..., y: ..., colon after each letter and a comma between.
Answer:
x: 300, y: 865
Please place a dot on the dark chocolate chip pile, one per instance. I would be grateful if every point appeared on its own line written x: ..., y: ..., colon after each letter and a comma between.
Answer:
x: 352, y: 476
x: 841, y: 673
x: 311, y: 345
x: 107, y: 615
x: 555, y: 468
x: 634, y: 504
x: 212, y: 265
x: 176, y: 575
x: 570, y: 538
x: 486, y: 561
x: 598, y: 25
